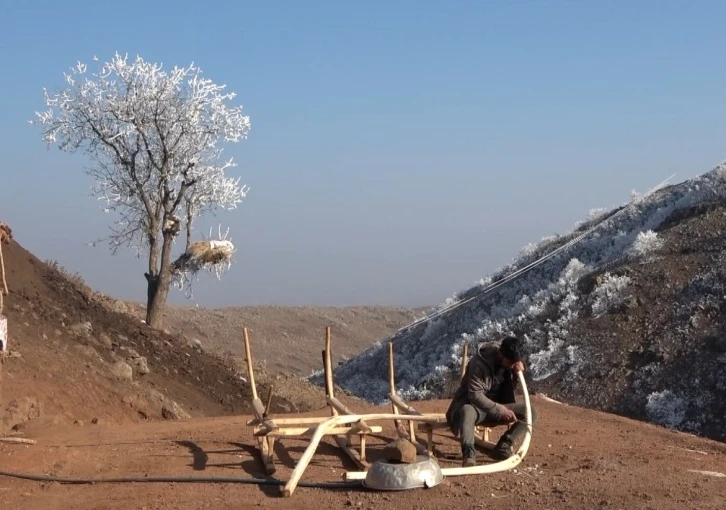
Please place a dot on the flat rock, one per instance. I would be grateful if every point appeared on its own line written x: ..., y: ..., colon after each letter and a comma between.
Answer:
x: 401, y: 450
x: 122, y: 370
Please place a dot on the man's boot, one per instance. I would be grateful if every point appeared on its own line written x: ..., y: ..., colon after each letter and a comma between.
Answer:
x: 503, y: 449
x: 469, y: 454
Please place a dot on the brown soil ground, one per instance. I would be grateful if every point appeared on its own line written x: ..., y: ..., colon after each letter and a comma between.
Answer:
x: 578, y: 459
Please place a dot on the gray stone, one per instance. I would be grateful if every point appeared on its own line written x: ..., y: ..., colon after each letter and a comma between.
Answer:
x: 83, y: 329
x: 119, y: 306
x: 86, y: 351
x: 122, y: 370
x: 105, y: 341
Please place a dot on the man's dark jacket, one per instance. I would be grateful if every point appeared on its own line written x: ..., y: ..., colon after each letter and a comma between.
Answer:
x: 480, y: 388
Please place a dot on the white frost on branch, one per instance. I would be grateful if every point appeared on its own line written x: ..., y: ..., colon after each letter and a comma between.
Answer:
x: 609, y: 293
x: 153, y: 136
x: 646, y: 242
x: 666, y: 408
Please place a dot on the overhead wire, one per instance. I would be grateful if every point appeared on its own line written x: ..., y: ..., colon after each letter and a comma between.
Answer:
x: 541, y: 260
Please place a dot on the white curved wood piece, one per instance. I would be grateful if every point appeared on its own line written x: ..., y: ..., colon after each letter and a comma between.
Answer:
x: 3, y: 333
x: 483, y: 469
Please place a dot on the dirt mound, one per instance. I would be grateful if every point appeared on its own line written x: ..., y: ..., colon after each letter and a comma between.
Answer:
x: 78, y: 360
x: 577, y: 459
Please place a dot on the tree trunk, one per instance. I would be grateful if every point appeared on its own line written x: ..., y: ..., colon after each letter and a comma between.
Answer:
x: 158, y: 284
x: 156, y: 294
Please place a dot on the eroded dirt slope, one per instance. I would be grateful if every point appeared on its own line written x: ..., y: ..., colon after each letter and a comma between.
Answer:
x: 72, y: 359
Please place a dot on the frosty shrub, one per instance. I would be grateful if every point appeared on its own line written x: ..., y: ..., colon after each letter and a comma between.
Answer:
x: 666, y: 408
x: 609, y: 293
x: 646, y: 242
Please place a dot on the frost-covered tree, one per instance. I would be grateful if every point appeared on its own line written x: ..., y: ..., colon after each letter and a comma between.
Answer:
x: 153, y: 137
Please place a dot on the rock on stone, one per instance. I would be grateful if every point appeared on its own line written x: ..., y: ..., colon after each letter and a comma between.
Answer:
x: 20, y: 410
x: 122, y: 370
x: 119, y: 306
x: 400, y: 450
x: 141, y: 365
x: 105, y: 341
x: 170, y: 410
x: 83, y: 329
x: 138, y: 362
x: 86, y: 351
x: 195, y: 343
x: 174, y: 412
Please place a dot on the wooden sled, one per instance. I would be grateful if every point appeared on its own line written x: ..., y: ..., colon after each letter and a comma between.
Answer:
x: 343, y: 424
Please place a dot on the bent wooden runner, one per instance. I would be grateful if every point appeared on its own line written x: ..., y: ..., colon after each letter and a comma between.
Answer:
x: 336, y: 421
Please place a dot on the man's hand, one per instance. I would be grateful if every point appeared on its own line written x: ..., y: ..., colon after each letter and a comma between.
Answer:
x: 518, y: 367
x: 508, y: 415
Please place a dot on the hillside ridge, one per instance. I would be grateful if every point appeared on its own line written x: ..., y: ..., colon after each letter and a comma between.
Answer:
x: 627, y: 320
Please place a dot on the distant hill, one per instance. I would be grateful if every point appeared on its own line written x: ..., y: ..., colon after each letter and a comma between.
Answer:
x: 287, y: 339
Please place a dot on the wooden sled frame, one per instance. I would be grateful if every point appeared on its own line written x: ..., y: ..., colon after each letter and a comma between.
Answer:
x: 345, y: 425
x: 398, y: 405
x: 268, y: 430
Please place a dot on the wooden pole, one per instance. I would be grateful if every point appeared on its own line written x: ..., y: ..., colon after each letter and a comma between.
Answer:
x: 306, y: 457
x: 329, y: 368
x: 17, y: 440
x: 303, y: 431
x: 392, y: 385
x: 250, y: 372
x: 2, y: 271
x: 336, y: 408
x: 464, y: 357
x: 269, y: 401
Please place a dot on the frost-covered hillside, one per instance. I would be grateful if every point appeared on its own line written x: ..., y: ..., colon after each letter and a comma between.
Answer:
x: 625, y: 320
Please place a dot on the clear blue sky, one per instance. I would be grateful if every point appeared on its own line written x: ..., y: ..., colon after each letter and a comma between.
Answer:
x: 399, y: 150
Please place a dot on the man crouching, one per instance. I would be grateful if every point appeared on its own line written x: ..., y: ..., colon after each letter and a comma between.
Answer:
x: 486, y: 397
